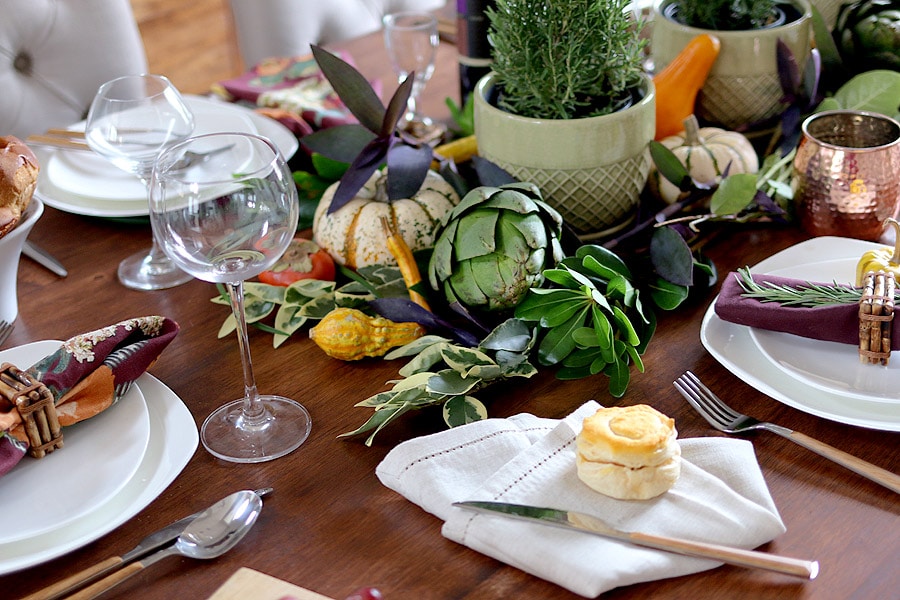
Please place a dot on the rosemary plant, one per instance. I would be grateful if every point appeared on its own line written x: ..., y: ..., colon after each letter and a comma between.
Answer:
x: 564, y: 59
x: 730, y: 15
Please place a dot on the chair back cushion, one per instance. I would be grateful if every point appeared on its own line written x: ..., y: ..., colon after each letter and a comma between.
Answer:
x: 54, y: 54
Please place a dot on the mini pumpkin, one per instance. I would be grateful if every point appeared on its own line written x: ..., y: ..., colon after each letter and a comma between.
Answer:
x: 705, y: 153
x: 353, y: 234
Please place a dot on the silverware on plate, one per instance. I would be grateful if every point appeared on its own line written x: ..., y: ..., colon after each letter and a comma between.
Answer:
x: 568, y: 519
x: 150, y: 544
x: 724, y: 418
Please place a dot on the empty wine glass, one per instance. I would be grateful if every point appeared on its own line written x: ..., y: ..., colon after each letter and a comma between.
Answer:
x: 224, y: 220
x: 131, y: 120
x: 412, y: 40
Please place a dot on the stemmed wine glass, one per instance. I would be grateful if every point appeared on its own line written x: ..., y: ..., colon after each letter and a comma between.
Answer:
x: 411, y: 39
x: 224, y: 220
x: 131, y: 120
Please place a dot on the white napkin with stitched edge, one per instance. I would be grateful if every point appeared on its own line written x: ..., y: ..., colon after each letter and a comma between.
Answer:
x: 720, y: 497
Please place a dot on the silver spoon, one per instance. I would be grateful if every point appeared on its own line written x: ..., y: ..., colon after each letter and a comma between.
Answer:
x: 214, y: 532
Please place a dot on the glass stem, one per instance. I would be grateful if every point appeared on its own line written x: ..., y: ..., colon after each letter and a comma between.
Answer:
x: 252, y: 409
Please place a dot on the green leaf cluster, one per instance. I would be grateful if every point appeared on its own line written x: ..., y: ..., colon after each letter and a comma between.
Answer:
x: 591, y: 320
x: 310, y: 300
x: 562, y: 59
x: 442, y: 373
x: 725, y: 15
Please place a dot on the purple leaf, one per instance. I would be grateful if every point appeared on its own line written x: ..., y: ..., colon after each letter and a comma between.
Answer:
x: 403, y: 310
x: 811, y: 77
x: 352, y: 88
x: 341, y: 142
x: 788, y: 71
x: 490, y: 174
x: 359, y: 172
x: 407, y: 168
x: 397, y: 106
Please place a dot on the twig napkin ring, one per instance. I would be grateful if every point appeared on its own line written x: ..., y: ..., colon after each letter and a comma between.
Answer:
x: 876, y: 312
x: 35, y: 405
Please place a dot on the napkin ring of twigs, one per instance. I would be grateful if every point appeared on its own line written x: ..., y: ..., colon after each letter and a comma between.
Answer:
x: 36, y: 406
x: 876, y: 314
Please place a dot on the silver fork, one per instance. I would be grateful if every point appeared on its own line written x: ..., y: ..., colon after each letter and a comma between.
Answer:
x: 5, y: 330
x: 724, y: 418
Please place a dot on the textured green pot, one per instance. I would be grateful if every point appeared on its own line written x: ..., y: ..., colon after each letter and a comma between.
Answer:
x: 743, y: 86
x: 591, y: 170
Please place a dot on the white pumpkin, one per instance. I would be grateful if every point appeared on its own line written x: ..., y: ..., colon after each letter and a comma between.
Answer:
x: 705, y: 153
x: 353, y: 234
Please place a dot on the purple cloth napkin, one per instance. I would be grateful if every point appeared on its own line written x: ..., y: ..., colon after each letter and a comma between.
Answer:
x: 833, y: 323
x: 87, y: 375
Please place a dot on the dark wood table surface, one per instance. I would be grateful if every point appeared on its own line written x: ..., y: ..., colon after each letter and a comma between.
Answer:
x: 331, y: 526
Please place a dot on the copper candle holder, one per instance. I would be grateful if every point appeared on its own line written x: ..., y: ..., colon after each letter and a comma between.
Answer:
x: 847, y: 173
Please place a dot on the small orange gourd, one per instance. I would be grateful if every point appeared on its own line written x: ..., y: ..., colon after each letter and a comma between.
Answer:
x: 350, y: 334
x: 678, y: 84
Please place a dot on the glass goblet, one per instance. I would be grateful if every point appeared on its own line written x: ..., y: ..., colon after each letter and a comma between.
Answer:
x: 131, y: 120
x: 411, y: 39
x: 224, y: 220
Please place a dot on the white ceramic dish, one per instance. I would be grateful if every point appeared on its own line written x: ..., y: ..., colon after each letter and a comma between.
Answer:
x: 103, y: 204
x: 99, y: 456
x: 173, y: 441
x: 733, y: 346
x: 828, y: 366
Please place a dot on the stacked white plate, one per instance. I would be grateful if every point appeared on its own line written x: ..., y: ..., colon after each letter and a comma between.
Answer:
x: 110, y: 468
x: 83, y: 183
x: 821, y: 378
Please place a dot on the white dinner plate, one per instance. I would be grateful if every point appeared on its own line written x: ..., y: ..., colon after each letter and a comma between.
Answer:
x: 98, y: 458
x: 96, y: 205
x: 173, y: 441
x: 829, y: 366
x: 733, y: 346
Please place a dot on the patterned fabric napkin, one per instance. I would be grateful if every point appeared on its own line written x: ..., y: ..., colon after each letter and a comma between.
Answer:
x: 87, y: 375
x: 720, y: 497
x: 833, y: 323
x: 293, y: 91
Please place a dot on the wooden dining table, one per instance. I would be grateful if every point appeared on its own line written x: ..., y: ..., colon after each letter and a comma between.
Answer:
x: 330, y: 526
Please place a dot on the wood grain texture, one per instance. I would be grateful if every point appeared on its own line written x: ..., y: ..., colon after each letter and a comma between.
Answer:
x: 330, y: 526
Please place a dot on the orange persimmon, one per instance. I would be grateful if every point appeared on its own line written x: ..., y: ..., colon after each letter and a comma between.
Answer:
x: 679, y: 82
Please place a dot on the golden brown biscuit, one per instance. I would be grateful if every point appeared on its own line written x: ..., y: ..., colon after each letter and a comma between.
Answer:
x: 19, y: 170
x: 628, y: 452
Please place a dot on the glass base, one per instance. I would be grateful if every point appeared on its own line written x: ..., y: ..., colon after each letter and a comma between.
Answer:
x: 282, y: 428
x: 144, y: 271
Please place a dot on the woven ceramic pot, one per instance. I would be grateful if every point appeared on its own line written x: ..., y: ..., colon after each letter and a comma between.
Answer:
x: 591, y: 170
x: 743, y: 86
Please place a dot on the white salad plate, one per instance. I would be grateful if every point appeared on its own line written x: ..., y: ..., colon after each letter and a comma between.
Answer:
x: 80, y: 183
x: 99, y: 456
x: 173, y: 441
x: 735, y: 348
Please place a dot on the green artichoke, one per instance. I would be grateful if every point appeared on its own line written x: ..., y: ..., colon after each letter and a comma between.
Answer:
x: 494, y: 246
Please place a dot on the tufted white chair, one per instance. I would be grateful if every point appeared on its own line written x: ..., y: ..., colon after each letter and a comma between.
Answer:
x: 54, y: 54
x: 267, y: 28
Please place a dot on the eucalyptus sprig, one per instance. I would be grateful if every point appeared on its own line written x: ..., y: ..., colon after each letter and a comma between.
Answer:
x: 809, y: 295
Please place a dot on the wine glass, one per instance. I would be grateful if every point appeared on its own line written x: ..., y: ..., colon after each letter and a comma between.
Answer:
x: 131, y: 120
x: 411, y: 39
x: 224, y: 220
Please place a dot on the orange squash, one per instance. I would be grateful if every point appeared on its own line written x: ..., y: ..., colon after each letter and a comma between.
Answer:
x: 678, y: 84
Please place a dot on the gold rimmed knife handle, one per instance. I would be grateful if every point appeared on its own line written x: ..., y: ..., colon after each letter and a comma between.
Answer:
x: 60, y: 587
x: 808, y: 569
x: 108, y: 582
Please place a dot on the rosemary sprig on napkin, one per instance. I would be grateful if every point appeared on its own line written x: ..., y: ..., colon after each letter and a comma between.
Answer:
x: 810, y: 295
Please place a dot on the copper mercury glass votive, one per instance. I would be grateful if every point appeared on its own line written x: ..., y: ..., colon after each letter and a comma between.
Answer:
x: 847, y: 173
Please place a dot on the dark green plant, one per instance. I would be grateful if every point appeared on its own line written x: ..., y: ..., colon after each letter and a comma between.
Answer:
x: 563, y: 59
x: 726, y: 15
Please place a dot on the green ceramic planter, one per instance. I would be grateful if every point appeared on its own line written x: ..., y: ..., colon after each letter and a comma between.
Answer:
x: 591, y: 170
x: 743, y: 86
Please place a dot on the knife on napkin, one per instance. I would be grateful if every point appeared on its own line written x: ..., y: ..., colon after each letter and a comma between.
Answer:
x: 596, y: 526
x: 155, y: 541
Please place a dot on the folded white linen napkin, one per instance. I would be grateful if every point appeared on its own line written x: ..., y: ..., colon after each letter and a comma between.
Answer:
x: 720, y: 497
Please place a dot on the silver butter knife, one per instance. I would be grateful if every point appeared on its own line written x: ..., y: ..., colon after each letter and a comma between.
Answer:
x: 153, y: 542
x: 596, y: 526
x: 43, y: 258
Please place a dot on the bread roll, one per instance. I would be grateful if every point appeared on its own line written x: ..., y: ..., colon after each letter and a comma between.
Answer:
x: 628, y: 452
x: 18, y: 177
